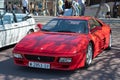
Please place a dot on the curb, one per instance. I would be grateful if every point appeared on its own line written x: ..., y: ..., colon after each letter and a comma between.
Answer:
x: 110, y: 20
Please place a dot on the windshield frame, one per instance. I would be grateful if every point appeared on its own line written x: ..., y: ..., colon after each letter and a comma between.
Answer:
x: 48, y: 27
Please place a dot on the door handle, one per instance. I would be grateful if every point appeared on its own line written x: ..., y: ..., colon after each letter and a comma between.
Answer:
x: 16, y: 25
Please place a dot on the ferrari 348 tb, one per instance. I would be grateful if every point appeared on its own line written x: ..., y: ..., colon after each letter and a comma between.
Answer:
x: 64, y: 43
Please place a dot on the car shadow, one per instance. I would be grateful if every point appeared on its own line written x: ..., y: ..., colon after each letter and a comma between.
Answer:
x: 9, y: 68
x: 7, y: 47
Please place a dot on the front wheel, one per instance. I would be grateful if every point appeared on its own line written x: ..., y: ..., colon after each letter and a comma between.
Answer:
x: 30, y: 31
x: 110, y: 42
x: 89, y: 55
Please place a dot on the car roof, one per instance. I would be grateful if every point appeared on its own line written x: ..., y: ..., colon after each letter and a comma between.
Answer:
x: 75, y: 17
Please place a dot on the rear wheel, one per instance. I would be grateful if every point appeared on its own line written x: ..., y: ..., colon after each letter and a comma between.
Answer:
x: 89, y: 55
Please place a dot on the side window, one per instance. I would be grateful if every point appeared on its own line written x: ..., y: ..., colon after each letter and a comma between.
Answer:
x: 94, y: 23
x: 7, y: 19
x: 19, y: 18
x: 97, y: 23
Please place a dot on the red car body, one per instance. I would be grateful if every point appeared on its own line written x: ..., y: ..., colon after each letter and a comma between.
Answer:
x: 62, y: 50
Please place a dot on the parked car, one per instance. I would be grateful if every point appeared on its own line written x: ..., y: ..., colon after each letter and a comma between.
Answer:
x: 13, y: 27
x: 64, y: 43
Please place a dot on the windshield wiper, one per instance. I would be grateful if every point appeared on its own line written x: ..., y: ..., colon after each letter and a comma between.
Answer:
x: 44, y: 30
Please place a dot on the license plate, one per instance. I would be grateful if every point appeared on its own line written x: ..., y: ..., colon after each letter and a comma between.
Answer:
x: 39, y: 65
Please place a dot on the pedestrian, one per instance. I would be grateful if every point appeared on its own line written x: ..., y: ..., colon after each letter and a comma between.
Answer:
x: 39, y: 7
x: 82, y: 6
x: 108, y: 13
x: 51, y: 12
x: 9, y: 7
x: 68, y: 4
x: 60, y: 6
x: 44, y: 12
x: 25, y: 6
x: 31, y: 7
x: 35, y: 9
x: 16, y: 8
x: 75, y: 6
x: 68, y: 8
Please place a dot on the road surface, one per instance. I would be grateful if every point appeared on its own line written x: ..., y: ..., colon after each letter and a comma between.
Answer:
x: 105, y: 66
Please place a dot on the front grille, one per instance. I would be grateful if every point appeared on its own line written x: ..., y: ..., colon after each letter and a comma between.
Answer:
x: 39, y: 58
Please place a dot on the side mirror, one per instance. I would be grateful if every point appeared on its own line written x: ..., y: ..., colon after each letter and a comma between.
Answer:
x: 38, y: 27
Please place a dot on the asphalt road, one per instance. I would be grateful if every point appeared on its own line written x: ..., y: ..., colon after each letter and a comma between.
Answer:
x: 105, y: 66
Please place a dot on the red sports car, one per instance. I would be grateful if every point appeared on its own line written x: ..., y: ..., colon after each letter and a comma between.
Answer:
x: 64, y: 43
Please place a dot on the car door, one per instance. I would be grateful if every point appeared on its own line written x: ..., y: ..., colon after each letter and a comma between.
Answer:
x: 22, y: 26
x: 2, y: 34
x: 14, y: 31
x: 18, y: 26
x: 97, y: 35
x: 31, y: 22
x: 9, y: 29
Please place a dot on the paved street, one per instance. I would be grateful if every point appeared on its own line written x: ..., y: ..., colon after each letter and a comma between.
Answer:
x: 106, y: 66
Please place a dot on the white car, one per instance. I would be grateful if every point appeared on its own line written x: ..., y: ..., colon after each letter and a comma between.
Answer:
x: 13, y: 27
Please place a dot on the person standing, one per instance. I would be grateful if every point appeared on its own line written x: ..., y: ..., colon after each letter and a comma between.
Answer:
x: 82, y: 5
x: 16, y: 8
x: 68, y: 8
x: 60, y: 6
x: 75, y: 6
x: 115, y: 10
x: 68, y: 4
x: 25, y: 6
x: 9, y: 7
x: 51, y: 12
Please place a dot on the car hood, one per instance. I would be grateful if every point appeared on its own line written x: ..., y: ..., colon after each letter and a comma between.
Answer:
x: 51, y: 43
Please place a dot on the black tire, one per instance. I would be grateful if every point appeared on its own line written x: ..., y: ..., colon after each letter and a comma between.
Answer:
x: 89, y: 55
x: 110, y: 43
x: 30, y: 31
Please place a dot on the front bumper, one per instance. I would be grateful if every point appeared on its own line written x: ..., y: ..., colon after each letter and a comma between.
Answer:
x: 78, y: 61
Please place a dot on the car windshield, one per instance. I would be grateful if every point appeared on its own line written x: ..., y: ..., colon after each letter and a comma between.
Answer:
x: 66, y: 25
x: 6, y: 19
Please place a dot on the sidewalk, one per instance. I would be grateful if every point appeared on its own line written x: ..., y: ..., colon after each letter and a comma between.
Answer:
x: 91, y: 10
